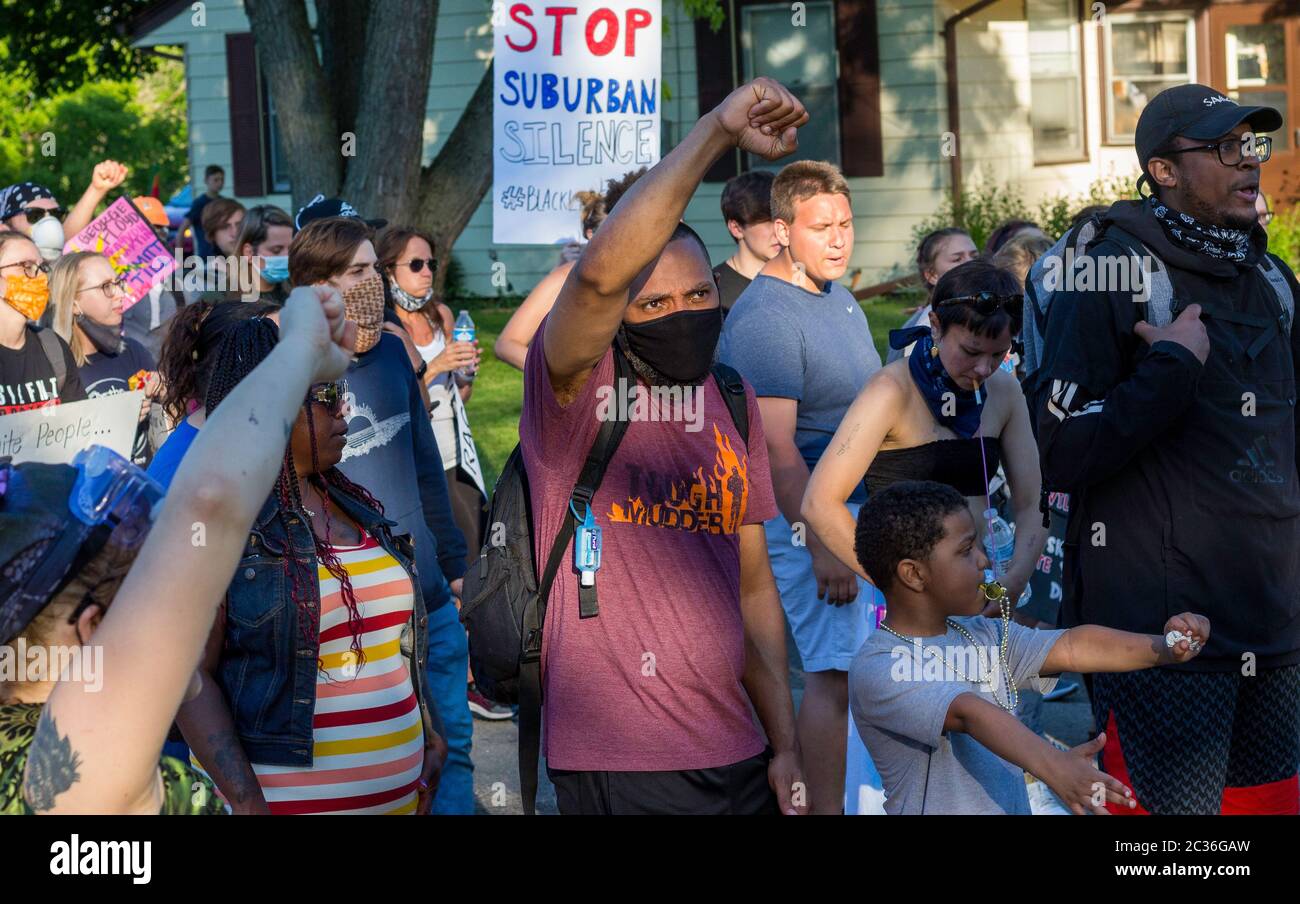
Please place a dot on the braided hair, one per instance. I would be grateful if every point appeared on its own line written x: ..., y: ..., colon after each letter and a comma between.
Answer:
x: 193, y: 337
x: 245, y: 346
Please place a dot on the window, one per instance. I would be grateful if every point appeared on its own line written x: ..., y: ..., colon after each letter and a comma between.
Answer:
x: 1144, y: 55
x: 806, y: 61
x: 279, y: 174
x: 1256, y: 71
x: 1055, y: 80
x: 827, y: 51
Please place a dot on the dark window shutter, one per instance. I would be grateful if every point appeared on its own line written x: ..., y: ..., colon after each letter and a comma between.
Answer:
x: 245, y: 115
x: 713, y: 64
x: 861, y: 151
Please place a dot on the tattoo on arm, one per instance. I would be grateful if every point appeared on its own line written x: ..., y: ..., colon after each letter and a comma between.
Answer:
x: 51, y: 766
x: 238, y: 781
x: 848, y: 440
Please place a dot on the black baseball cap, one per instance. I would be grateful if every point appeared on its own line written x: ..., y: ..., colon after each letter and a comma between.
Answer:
x: 1195, y: 111
x: 320, y: 207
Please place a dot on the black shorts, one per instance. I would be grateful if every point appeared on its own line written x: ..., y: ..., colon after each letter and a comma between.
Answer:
x: 740, y: 789
x: 1202, y: 742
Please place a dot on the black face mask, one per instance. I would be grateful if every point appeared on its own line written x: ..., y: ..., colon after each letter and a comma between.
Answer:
x: 106, y: 339
x: 679, y: 346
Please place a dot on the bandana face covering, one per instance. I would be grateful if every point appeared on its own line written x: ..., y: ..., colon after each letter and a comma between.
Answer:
x: 955, y: 408
x: 679, y: 346
x: 28, y: 295
x: 408, y: 302
x: 364, y: 304
x: 1218, y: 242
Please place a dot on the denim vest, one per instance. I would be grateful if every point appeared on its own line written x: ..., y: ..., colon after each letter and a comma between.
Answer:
x: 268, y: 667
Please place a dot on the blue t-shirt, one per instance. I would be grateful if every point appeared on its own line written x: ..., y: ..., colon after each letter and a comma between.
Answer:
x: 392, y: 453
x: 202, y: 247
x: 813, y: 347
x: 168, y: 457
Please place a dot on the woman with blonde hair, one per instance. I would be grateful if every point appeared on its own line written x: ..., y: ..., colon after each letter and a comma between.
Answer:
x: 88, y: 296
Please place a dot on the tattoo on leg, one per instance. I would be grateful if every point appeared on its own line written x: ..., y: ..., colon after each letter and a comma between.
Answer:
x: 51, y: 766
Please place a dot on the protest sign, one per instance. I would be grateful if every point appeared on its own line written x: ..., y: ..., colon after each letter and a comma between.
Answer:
x: 56, y: 433
x: 575, y: 103
x: 125, y: 237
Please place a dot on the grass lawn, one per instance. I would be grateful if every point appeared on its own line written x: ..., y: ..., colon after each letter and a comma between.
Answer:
x: 498, y: 392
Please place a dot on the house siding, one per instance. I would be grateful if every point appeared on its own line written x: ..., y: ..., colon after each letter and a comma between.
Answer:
x: 997, y: 136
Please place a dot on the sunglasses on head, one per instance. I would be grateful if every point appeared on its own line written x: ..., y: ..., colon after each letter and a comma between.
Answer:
x: 417, y: 264
x: 36, y: 214
x: 986, y: 303
x: 330, y: 395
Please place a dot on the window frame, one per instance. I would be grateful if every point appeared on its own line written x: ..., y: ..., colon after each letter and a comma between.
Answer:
x: 1085, y: 149
x: 1188, y: 16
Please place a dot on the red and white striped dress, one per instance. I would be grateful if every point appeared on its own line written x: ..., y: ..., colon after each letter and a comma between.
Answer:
x: 368, y: 737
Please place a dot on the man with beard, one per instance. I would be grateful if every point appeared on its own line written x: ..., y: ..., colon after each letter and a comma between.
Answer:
x: 1176, y: 441
x: 647, y: 699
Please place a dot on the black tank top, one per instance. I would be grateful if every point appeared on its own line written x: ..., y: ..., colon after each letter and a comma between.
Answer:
x: 956, y: 462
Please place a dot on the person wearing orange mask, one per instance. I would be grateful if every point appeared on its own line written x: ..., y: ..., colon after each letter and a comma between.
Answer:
x: 36, y: 366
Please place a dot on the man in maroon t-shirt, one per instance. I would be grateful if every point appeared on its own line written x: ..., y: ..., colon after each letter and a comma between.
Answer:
x: 647, y: 706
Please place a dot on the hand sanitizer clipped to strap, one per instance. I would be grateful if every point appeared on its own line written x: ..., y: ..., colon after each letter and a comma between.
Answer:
x: 586, y: 547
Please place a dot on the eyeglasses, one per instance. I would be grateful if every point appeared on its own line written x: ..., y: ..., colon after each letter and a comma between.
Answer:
x: 417, y: 264
x: 986, y: 303
x: 331, y: 395
x: 1233, y: 150
x: 1266, y: 217
x: 30, y: 268
x: 36, y: 214
x: 111, y: 288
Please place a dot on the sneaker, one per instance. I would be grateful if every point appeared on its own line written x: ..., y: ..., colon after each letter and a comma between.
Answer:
x: 483, y: 708
x: 1061, y: 691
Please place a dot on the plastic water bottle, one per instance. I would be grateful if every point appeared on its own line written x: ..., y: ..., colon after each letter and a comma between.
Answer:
x: 464, y: 331
x: 999, y: 542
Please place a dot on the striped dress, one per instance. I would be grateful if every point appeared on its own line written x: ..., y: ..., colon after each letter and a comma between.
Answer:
x: 368, y: 744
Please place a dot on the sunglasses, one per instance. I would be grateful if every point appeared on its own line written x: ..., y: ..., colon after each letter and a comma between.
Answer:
x: 417, y: 264
x: 329, y: 395
x: 36, y: 214
x: 986, y: 303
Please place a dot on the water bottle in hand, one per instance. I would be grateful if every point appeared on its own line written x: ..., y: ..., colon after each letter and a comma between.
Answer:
x: 999, y: 542
x: 464, y: 331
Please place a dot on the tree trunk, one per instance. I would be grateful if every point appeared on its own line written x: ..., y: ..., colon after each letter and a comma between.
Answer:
x: 308, y: 128
x: 341, y: 30
x: 383, y: 178
x: 453, y: 185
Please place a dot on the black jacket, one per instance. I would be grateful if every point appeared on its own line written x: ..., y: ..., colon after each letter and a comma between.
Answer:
x: 1185, y: 494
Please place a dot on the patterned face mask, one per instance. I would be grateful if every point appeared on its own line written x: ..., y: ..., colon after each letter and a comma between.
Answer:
x: 364, y: 304
x: 28, y: 295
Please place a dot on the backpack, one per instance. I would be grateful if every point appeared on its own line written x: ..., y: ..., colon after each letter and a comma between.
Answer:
x: 1041, y: 287
x: 504, y: 606
x: 53, y: 352
x: 1043, y: 284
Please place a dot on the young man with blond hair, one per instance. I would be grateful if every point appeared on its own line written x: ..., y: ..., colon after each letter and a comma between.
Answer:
x: 802, y: 340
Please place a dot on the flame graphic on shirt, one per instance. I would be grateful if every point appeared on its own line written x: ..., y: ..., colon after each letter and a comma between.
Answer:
x: 713, y: 502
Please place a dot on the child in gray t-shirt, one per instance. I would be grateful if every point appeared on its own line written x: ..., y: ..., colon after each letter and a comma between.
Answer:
x: 933, y: 692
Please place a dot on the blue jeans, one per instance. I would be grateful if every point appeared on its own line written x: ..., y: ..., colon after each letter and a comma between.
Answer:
x: 446, y: 681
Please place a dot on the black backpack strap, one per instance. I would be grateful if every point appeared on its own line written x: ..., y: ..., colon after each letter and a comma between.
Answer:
x: 54, y: 352
x: 530, y: 666
x: 733, y: 393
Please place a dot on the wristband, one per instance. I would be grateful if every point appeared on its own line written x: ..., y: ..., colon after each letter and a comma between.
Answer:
x: 424, y: 369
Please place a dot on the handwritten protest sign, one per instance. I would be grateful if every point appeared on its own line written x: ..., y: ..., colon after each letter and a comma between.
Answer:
x: 576, y: 102
x: 124, y: 236
x: 56, y: 433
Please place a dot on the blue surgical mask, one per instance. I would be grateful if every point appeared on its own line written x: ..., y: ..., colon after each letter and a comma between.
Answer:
x: 275, y: 269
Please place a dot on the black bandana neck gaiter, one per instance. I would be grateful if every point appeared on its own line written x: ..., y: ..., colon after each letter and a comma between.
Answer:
x: 1219, y: 242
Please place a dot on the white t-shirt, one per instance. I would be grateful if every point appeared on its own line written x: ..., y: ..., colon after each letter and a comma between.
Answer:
x: 443, y: 415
